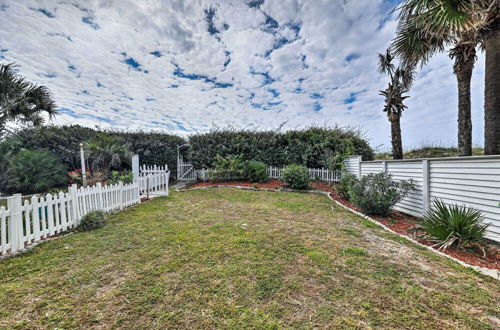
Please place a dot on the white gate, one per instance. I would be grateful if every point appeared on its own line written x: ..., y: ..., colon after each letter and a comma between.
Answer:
x: 185, y: 171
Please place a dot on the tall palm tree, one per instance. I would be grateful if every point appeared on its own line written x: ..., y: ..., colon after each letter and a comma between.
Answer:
x: 22, y: 101
x: 106, y: 152
x: 435, y: 24
x: 401, y: 79
x: 417, y: 47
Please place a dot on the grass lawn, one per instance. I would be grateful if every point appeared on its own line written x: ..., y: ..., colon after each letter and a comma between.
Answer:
x: 227, y: 258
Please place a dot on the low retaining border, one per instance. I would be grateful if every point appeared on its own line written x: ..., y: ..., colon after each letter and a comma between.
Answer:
x: 483, y: 270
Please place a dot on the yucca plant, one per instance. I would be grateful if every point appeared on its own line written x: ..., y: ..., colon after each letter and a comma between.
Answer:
x: 453, y: 226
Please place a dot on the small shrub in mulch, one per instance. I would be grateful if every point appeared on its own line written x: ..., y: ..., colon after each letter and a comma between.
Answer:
x: 296, y: 176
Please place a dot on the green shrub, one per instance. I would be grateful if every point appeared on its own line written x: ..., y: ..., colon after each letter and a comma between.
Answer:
x: 345, y: 184
x: 126, y: 177
x: 92, y: 220
x: 296, y: 176
x: 33, y: 171
x: 153, y: 148
x: 256, y: 171
x: 313, y: 147
x: 377, y: 193
x: 106, y: 152
x: 452, y: 225
x: 227, y: 168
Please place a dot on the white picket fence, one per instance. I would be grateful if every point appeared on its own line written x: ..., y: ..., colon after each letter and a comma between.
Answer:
x: 186, y: 172
x: 320, y: 174
x: 40, y: 217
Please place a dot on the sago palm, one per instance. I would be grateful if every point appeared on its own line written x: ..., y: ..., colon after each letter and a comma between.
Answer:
x: 400, y: 81
x: 22, y: 101
x: 429, y: 26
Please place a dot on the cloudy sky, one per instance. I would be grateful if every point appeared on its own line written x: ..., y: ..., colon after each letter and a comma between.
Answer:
x: 186, y: 66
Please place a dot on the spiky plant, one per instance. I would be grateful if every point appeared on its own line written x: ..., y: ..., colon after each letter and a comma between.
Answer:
x: 452, y: 226
x: 32, y: 171
x: 22, y: 101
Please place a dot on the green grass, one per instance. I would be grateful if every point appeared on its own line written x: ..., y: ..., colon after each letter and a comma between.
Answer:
x: 227, y: 258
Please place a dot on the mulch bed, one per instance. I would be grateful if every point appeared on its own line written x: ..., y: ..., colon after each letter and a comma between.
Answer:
x: 398, y: 222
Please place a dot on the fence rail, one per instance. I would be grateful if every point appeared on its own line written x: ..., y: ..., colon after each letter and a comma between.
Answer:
x: 186, y: 172
x: 40, y: 217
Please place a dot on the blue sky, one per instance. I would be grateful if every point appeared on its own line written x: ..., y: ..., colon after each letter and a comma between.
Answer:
x: 188, y: 66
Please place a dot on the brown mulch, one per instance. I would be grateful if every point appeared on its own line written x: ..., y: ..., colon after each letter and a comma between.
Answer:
x: 396, y: 221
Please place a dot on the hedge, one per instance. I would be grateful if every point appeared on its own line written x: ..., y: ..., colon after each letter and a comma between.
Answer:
x: 64, y: 142
x: 309, y: 147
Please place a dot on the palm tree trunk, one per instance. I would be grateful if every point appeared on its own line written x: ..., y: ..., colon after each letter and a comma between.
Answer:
x: 397, y: 144
x: 492, y: 91
x: 464, y: 75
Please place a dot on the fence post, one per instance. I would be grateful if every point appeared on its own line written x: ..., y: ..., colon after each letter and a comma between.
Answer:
x: 384, y: 166
x: 359, y: 167
x: 14, y: 204
x: 36, y: 218
x: 135, y: 167
x: 120, y: 194
x: 425, y: 185
x: 74, y: 204
x: 99, y: 194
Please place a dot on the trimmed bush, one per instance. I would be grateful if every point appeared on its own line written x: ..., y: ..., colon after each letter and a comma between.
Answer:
x: 32, y: 171
x: 256, y: 171
x: 345, y: 184
x: 92, y: 220
x: 296, y: 176
x: 452, y: 225
x: 227, y: 168
x: 313, y: 147
x: 377, y: 193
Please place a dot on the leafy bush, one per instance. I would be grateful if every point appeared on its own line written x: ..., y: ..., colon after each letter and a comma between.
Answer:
x: 153, y: 148
x: 256, y: 171
x: 345, y: 184
x: 126, y: 177
x: 452, y: 225
x: 92, y: 220
x: 296, y: 176
x: 227, y: 168
x: 106, y: 152
x: 312, y: 147
x: 33, y: 171
x: 377, y: 193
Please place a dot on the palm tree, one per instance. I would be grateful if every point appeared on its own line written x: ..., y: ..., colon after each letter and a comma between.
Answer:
x: 401, y: 79
x: 427, y: 26
x: 106, y: 152
x: 22, y: 101
x: 415, y: 47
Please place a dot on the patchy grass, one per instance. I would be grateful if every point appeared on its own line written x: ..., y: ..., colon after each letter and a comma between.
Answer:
x: 226, y: 258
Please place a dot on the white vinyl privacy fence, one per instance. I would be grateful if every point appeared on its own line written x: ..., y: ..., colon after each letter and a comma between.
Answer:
x: 470, y: 181
x: 40, y: 217
x: 186, y: 172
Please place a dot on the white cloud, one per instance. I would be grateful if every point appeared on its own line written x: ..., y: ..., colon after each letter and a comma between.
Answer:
x: 155, y: 65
